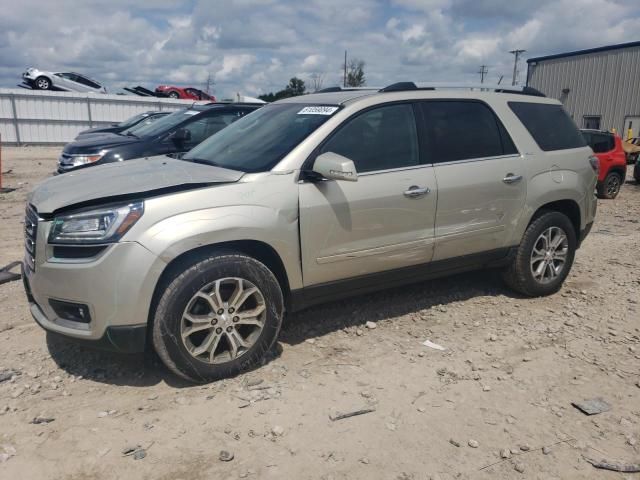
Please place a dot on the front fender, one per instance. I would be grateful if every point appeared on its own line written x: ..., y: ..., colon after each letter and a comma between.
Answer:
x: 274, y: 222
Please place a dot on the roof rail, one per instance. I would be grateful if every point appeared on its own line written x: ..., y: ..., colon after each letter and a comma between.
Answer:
x: 483, y: 87
x: 345, y: 89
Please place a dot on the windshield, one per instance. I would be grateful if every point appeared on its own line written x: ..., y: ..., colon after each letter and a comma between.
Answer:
x: 133, y: 120
x: 257, y: 142
x: 164, y: 123
x: 149, y: 120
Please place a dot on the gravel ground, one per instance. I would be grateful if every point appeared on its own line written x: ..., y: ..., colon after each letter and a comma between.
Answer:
x: 483, y: 408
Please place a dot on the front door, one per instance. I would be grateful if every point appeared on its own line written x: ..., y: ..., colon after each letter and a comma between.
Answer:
x: 480, y: 175
x: 385, y: 220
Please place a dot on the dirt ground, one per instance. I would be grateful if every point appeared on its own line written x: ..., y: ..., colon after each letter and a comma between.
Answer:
x: 502, y: 388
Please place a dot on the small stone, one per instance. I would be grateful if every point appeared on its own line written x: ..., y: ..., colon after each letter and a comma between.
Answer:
x: 391, y: 426
x: 364, y: 460
x: 153, y: 397
x: 473, y: 443
x: 546, y: 450
x: 476, y: 376
x: 505, y: 453
x: 57, y: 379
x: 371, y: 325
x: 103, y: 414
x: 225, y: 456
x: 139, y: 454
x: 359, y: 332
x: 277, y: 431
x: 493, y: 338
x: 526, y: 359
x: 454, y: 442
x: 525, y: 447
x: 310, y: 340
x: 631, y: 441
x: 422, y: 409
x: 39, y: 420
x: 129, y: 449
x: 486, y: 388
x: 519, y: 467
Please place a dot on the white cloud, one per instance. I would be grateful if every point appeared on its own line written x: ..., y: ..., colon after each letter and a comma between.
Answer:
x: 256, y: 46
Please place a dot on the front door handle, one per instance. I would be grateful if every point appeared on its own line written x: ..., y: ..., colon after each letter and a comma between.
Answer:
x: 416, y: 192
x: 511, y: 178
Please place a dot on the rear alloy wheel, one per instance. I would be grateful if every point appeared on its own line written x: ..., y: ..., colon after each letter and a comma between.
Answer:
x: 174, y: 95
x: 218, y: 317
x: 43, y: 83
x: 610, y: 188
x: 544, y: 257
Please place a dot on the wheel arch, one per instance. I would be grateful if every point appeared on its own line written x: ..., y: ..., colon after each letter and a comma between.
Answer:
x: 256, y: 249
x: 568, y: 207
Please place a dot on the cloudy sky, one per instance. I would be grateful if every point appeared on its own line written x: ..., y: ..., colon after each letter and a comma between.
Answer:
x: 255, y: 46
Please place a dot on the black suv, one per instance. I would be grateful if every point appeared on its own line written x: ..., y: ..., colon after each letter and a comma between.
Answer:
x: 125, y: 125
x: 175, y: 133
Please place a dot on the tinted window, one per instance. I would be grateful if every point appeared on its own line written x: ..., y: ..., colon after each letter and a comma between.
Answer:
x: 166, y: 123
x: 549, y: 125
x: 379, y: 139
x: 461, y: 130
x: 599, y: 142
x: 205, y: 127
x: 257, y: 142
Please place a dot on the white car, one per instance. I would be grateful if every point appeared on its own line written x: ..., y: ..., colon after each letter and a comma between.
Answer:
x: 60, y: 81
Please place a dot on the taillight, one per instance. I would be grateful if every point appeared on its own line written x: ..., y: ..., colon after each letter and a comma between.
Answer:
x: 595, y: 163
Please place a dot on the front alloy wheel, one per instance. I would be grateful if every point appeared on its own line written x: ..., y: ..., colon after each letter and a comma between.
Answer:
x: 223, y: 320
x: 217, y: 316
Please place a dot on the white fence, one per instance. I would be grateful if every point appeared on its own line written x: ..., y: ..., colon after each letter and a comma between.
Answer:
x: 30, y: 117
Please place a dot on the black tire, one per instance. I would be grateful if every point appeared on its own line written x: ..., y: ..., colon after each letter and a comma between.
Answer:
x: 610, y: 187
x: 174, y: 95
x: 166, y: 330
x: 519, y: 275
x: 42, y: 83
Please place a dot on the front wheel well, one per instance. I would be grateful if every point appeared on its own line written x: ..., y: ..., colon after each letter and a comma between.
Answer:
x: 261, y: 251
x: 568, y: 207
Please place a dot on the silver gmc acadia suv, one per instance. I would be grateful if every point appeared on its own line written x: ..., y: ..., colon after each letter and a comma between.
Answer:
x: 303, y: 201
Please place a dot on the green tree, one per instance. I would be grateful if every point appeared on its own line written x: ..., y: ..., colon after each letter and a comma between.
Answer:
x: 355, y: 73
x: 295, y: 87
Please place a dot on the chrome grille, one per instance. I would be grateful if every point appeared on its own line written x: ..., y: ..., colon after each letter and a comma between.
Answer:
x: 30, y: 235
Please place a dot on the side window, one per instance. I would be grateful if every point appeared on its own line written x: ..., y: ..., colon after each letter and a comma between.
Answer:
x: 549, y: 125
x: 601, y: 143
x: 203, y: 128
x: 379, y: 139
x: 464, y: 130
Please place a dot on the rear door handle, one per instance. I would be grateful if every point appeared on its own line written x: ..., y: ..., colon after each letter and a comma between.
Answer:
x: 511, y: 178
x: 416, y: 192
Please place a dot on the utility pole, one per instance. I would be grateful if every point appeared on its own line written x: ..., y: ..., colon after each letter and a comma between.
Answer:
x: 483, y: 71
x: 344, y: 80
x: 517, y: 54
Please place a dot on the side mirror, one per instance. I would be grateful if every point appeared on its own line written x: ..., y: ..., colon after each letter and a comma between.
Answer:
x: 181, y: 135
x: 335, y: 167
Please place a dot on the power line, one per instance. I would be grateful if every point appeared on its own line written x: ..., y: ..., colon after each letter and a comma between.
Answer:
x: 483, y: 71
x: 516, y: 54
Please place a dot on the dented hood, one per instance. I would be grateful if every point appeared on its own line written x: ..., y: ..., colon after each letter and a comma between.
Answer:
x: 145, y: 176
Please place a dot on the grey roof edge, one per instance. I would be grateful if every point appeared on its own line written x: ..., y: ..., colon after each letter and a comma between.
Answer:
x: 606, y: 48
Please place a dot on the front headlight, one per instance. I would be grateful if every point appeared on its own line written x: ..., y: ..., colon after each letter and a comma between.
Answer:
x: 105, y: 225
x: 77, y: 160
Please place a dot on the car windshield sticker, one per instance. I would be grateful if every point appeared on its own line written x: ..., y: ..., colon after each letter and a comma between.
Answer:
x: 317, y: 110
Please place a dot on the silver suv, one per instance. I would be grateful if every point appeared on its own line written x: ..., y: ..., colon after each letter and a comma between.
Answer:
x: 306, y: 200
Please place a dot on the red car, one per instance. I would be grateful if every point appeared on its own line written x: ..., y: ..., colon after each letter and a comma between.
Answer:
x: 186, y: 93
x: 613, y: 161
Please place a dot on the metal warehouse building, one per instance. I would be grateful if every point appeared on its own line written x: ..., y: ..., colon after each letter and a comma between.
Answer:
x: 599, y: 87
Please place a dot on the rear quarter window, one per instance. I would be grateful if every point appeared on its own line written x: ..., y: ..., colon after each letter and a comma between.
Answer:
x: 549, y: 125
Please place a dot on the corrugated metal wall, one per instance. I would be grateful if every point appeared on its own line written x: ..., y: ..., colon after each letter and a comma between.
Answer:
x: 34, y: 117
x: 605, y: 84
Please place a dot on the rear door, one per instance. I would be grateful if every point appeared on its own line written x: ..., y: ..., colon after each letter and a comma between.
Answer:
x: 385, y: 220
x: 480, y: 175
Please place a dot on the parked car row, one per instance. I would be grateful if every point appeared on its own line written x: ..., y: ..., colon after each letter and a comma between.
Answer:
x: 76, y: 82
x: 158, y: 134
x: 301, y: 201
